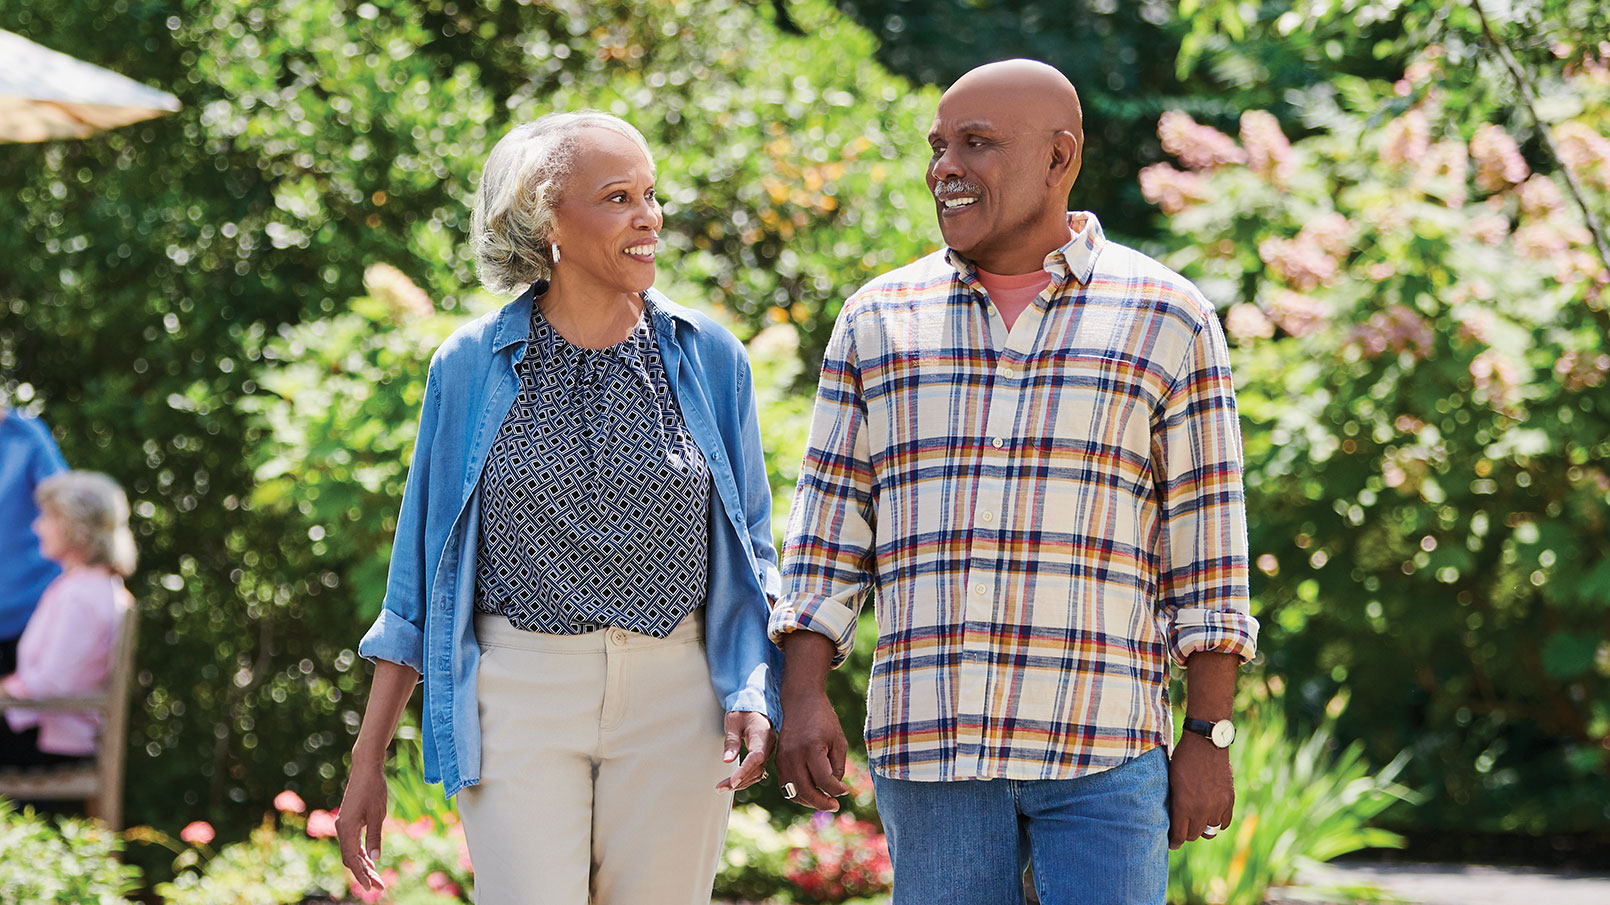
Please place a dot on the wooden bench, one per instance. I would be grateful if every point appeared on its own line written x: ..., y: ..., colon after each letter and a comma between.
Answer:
x: 98, y: 783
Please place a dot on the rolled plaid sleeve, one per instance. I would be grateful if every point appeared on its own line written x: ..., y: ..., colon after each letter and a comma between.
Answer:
x: 1197, y: 461
x: 828, y: 547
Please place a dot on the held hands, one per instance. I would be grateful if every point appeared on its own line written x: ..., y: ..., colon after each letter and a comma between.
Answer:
x: 357, y: 826
x: 754, y: 732
x: 810, y: 757
x: 1201, y: 790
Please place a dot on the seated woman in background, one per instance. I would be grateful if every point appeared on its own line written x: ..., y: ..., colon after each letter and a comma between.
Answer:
x: 67, y: 647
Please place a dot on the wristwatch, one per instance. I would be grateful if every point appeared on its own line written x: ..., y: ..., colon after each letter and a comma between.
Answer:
x: 1220, y: 732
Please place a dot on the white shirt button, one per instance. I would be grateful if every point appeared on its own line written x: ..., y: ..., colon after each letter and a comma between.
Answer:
x: 988, y: 516
x: 997, y: 442
x: 980, y: 590
x: 1008, y: 373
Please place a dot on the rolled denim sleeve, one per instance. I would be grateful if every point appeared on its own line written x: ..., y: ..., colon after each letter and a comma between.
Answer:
x: 398, y: 633
x: 759, y: 692
x: 828, y: 550
x: 1197, y: 462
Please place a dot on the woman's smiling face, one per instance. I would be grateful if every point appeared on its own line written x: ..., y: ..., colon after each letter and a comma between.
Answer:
x: 608, y: 219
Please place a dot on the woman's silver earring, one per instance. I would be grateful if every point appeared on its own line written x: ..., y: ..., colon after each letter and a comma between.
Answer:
x: 556, y: 252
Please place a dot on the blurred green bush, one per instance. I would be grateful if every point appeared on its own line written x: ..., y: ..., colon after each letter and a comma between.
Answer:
x: 60, y: 862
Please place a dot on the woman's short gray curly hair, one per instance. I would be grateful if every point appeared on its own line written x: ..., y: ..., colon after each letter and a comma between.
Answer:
x: 519, y: 190
x: 94, y: 516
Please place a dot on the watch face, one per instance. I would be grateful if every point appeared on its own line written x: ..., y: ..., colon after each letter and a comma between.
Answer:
x: 1223, y: 733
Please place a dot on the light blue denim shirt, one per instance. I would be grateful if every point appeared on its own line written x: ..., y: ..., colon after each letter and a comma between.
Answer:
x: 427, y: 623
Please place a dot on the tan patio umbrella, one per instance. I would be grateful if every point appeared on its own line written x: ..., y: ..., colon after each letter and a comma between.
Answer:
x: 46, y: 95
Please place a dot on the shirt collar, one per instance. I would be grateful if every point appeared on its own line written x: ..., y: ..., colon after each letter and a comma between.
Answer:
x: 513, y: 322
x: 1076, y: 258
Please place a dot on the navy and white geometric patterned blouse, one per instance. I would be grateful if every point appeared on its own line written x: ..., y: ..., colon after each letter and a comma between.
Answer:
x: 595, y: 498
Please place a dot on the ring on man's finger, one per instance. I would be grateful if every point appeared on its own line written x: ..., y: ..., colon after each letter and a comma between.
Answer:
x: 789, y: 791
x: 1211, y: 830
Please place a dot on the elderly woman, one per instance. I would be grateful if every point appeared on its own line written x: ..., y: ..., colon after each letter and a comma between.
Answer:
x: 67, y: 648
x: 583, y: 560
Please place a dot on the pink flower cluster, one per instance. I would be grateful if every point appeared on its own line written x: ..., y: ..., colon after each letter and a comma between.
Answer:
x: 1197, y: 146
x: 1585, y: 151
x: 1298, y: 314
x: 1406, y: 140
x: 1499, y: 164
x: 1540, y: 197
x: 1444, y: 171
x: 1496, y: 379
x: 1398, y: 329
x: 1267, y: 148
x: 1247, y: 322
x: 845, y: 858
x: 1170, y: 189
x: 1581, y: 370
x: 393, y: 287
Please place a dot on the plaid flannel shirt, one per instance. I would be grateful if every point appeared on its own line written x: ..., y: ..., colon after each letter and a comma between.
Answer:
x: 1047, y: 515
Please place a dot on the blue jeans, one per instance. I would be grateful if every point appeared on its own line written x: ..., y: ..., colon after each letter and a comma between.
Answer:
x: 1096, y: 840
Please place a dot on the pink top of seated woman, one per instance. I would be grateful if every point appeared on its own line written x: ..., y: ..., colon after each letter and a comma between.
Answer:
x: 67, y: 648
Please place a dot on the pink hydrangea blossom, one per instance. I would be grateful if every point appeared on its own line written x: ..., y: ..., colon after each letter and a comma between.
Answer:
x: 1444, y: 172
x: 288, y: 802
x: 441, y: 884
x: 1581, y: 370
x: 1406, y: 140
x: 1585, y: 151
x: 1540, y: 197
x: 1247, y: 322
x: 1496, y: 379
x: 1300, y: 263
x: 1332, y: 232
x: 197, y: 832
x: 1197, y: 146
x: 1499, y: 164
x: 1267, y: 148
x: 400, y: 293
x: 1398, y: 329
x: 1489, y: 229
x: 321, y: 824
x: 1297, y: 314
x: 1170, y: 189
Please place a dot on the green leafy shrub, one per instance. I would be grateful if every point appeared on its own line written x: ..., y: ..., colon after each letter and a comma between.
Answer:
x: 1298, y: 802
x: 1419, y: 324
x: 73, y: 862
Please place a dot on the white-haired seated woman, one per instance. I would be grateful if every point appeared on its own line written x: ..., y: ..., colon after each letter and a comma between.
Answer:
x: 583, y: 559
x: 67, y: 647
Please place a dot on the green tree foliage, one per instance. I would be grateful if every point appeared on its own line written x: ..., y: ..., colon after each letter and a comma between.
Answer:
x: 177, y: 299
x: 1420, y: 325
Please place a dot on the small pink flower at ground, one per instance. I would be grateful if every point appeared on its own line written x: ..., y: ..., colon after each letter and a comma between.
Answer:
x: 321, y: 824
x: 197, y: 832
x: 367, y: 896
x: 288, y: 802
x: 420, y: 828
x: 441, y: 884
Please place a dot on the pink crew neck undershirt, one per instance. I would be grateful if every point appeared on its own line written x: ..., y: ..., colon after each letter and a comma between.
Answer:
x: 1013, y: 293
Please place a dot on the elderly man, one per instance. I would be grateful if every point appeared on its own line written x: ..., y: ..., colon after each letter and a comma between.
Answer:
x: 1026, y: 445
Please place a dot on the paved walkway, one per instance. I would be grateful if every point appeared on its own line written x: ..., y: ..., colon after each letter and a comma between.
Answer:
x: 1459, y: 884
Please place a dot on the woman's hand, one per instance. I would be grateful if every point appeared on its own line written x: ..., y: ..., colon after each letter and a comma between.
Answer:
x: 753, y: 731
x: 357, y: 825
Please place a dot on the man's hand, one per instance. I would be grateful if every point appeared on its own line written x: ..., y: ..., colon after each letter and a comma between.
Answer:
x: 357, y: 825
x: 754, y: 732
x: 810, y: 754
x: 1201, y: 789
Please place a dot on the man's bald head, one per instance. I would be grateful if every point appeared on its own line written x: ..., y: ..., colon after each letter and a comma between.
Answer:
x: 1027, y: 94
x: 1007, y: 142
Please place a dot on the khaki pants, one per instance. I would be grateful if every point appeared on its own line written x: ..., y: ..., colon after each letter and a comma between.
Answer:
x: 600, y: 754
